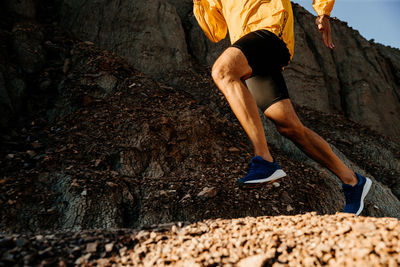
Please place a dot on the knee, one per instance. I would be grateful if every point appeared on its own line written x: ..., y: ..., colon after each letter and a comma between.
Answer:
x: 222, y: 75
x: 293, y: 131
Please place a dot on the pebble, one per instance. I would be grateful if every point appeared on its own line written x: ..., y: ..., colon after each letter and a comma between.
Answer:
x: 186, y: 198
x: 31, y: 153
x: 91, y: 247
x: 207, y: 193
x: 233, y: 149
x: 275, y: 184
x: 109, y: 247
x: 301, y: 240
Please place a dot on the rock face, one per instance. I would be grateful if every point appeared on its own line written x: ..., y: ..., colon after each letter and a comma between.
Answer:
x: 148, y: 33
x: 355, y: 79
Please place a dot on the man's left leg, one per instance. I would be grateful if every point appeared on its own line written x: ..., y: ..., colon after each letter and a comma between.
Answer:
x: 288, y: 124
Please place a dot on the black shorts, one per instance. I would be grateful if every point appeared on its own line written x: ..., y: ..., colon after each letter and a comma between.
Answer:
x: 267, y: 55
x: 264, y: 51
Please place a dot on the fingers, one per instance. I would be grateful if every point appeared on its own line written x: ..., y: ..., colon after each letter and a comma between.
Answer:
x: 318, y: 22
x: 330, y: 42
x: 323, y: 26
x: 325, y: 38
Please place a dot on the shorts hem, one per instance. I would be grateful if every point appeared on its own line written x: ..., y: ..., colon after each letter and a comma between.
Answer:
x: 275, y: 101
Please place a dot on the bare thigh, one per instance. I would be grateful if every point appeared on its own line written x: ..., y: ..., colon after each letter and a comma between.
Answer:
x: 231, y: 63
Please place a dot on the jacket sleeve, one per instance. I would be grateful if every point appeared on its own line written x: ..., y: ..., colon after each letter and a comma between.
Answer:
x: 323, y: 7
x: 210, y: 19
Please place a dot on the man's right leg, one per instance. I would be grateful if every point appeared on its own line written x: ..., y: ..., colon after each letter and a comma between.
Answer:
x: 228, y: 71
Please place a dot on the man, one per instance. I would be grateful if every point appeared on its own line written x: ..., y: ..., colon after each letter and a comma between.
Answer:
x: 249, y: 74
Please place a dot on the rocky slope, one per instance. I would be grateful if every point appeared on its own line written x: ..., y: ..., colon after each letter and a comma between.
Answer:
x: 90, y: 139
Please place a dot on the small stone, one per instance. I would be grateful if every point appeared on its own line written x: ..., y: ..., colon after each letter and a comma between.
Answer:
x: 103, y: 262
x: 31, y: 153
x: 276, y: 184
x: 111, y: 184
x: 84, y: 193
x: 289, y: 208
x: 233, y: 149
x: 91, y: 247
x: 45, y: 252
x: 107, y: 82
x: 256, y: 260
x: 185, y: 198
x: 109, y: 247
x: 80, y: 260
x: 207, y: 192
x: 97, y: 162
x: 10, y: 156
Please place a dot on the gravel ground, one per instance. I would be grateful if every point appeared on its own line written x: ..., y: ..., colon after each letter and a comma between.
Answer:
x: 301, y: 240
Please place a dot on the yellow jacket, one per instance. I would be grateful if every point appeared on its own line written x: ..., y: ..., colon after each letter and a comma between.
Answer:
x: 215, y: 17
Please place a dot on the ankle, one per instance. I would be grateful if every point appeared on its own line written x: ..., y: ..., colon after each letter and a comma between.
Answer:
x: 350, y: 179
x: 266, y: 157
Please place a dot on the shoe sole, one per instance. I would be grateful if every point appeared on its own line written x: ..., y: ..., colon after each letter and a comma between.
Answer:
x: 366, y: 189
x: 260, y: 182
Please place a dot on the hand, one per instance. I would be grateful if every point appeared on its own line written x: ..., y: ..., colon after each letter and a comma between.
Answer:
x: 324, y: 27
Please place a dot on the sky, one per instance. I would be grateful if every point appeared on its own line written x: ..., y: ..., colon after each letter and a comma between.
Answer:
x: 374, y: 19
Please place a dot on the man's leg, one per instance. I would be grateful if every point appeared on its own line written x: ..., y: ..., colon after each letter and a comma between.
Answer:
x: 289, y: 125
x: 228, y: 71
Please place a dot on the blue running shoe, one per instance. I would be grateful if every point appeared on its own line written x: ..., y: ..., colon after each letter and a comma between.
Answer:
x: 261, y: 171
x: 355, y: 194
